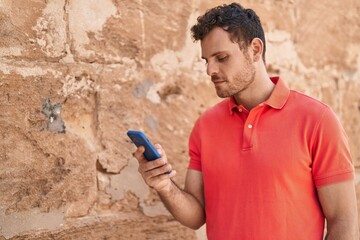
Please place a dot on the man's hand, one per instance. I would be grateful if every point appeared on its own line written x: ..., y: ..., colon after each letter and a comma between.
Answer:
x: 154, y: 172
x: 187, y: 206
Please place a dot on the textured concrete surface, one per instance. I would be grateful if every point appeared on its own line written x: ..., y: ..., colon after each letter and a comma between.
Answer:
x: 76, y: 75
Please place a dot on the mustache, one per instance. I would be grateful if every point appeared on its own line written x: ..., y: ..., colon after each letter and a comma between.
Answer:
x: 215, y: 78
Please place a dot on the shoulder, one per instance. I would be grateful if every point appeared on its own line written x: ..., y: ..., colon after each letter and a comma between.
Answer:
x: 217, y: 111
x: 306, y: 105
x: 305, y: 100
x: 213, y: 116
x: 313, y: 112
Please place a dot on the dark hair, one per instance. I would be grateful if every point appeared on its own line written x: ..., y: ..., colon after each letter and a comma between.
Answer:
x: 242, y: 24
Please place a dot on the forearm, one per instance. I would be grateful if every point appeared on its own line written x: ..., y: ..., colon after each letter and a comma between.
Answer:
x: 343, y: 230
x: 339, y: 205
x: 183, y: 206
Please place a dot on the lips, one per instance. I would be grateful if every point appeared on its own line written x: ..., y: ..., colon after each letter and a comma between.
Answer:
x: 218, y: 82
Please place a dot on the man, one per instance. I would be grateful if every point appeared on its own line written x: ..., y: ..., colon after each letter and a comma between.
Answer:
x: 267, y: 162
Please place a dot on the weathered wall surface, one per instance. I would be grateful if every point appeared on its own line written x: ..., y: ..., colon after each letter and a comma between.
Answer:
x: 76, y: 75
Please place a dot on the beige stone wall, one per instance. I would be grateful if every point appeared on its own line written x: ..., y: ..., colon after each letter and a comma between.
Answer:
x: 75, y: 75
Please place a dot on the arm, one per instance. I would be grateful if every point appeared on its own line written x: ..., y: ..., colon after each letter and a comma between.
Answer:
x: 187, y: 206
x: 339, y: 205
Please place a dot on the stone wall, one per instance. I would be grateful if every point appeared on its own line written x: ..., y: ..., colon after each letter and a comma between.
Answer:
x: 76, y: 75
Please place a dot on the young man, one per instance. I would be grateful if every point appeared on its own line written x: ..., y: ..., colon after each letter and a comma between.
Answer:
x: 267, y: 162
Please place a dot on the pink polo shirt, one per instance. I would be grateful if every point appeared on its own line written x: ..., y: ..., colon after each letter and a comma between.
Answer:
x: 261, y: 168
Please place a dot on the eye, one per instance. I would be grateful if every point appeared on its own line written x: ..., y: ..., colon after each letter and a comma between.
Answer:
x: 222, y: 58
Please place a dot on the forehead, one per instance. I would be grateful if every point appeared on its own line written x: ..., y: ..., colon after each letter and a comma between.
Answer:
x: 217, y: 40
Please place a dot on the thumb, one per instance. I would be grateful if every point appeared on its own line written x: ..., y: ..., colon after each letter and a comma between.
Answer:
x: 160, y: 150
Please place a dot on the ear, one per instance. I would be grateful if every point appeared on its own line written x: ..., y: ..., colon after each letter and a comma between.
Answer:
x: 257, y: 47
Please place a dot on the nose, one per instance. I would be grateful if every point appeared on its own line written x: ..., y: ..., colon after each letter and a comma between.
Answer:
x: 212, y: 68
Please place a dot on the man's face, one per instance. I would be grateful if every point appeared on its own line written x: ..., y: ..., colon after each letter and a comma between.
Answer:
x: 231, y: 70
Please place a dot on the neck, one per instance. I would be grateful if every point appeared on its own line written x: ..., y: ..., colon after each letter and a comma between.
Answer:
x: 257, y: 92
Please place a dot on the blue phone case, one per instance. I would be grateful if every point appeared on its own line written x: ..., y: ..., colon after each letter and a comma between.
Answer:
x: 139, y: 139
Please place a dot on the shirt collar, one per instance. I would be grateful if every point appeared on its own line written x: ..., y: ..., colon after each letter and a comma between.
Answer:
x: 279, y: 95
x: 277, y: 98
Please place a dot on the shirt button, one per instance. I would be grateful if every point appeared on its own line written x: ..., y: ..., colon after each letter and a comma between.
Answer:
x: 249, y: 126
x: 239, y: 109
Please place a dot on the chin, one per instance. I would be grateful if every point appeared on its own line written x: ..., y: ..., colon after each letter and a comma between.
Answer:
x: 223, y: 95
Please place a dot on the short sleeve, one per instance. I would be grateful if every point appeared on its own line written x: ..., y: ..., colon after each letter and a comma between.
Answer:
x: 332, y: 161
x: 195, y: 148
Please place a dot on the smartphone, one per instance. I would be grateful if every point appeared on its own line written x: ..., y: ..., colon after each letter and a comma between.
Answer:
x: 139, y: 139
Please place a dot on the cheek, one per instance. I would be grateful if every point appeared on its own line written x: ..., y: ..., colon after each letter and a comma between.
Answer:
x: 244, y: 75
x: 230, y: 70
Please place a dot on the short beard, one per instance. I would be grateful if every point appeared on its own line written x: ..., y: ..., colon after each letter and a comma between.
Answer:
x: 239, y: 84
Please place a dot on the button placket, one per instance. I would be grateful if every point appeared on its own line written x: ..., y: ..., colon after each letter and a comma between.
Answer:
x: 249, y: 127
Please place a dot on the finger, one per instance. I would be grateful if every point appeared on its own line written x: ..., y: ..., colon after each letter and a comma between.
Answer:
x: 155, y: 164
x: 155, y: 172
x: 161, y: 151
x: 171, y: 174
x: 159, y: 148
x: 146, y: 166
x: 156, y: 180
x: 167, y: 176
x: 139, y: 154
